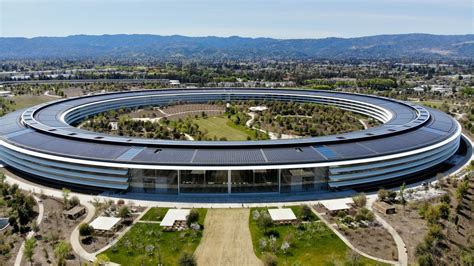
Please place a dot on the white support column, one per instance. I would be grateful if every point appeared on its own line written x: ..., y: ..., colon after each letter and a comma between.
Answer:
x: 279, y: 181
x: 179, y: 181
x: 229, y: 178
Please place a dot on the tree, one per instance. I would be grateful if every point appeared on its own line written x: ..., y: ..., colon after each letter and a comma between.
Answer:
x: 29, y: 250
x: 66, y: 193
x: 187, y: 259
x: 85, y: 230
x: 265, y: 221
x: 61, y: 252
x: 401, y: 194
x: 124, y: 212
x: 74, y: 201
x: 192, y: 217
x: 382, y: 194
x: 360, y: 200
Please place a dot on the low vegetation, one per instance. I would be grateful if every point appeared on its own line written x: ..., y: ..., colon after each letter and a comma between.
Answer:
x: 150, y: 244
x: 307, y: 242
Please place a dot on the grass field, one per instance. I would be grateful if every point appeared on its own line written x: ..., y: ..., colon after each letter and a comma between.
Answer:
x: 148, y: 244
x: 222, y: 127
x: 24, y: 101
x: 154, y: 214
x: 311, y: 243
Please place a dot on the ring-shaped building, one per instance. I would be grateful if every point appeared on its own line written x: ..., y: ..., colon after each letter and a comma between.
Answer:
x: 43, y: 142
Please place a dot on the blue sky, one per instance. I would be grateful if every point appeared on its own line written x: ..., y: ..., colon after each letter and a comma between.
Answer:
x: 282, y: 19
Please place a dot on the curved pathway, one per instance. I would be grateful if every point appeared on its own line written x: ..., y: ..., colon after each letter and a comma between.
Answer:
x: 348, y: 243
x: 74, y: 239
x: 401, y: 247
x: 226, y: 239
x: 19, y: 256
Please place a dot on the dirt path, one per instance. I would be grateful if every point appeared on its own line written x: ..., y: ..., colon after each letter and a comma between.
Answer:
x: 226, y: 239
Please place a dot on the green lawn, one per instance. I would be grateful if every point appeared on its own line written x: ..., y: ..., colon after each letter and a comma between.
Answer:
x: 148, y: 244
x: 311, y: 243
x: 154, y: 214
x: 222, y: 127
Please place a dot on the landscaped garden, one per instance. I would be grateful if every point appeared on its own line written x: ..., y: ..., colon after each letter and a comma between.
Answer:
x: 246, y: 120
x: 150, y: 244
x: 306, y: 242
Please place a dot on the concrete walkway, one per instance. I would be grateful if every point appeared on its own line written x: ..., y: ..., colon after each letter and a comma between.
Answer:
x: 75, y: 240
x: 401, y: 247
x: 348, y: 243
x: 19, y: 256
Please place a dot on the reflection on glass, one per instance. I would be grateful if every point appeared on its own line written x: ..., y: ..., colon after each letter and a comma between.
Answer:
x: 304, y: 179
x: 203, y: 181
x: 247, y: 181
x: 154, y: 181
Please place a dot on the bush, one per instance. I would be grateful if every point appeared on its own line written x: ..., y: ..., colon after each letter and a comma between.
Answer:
x: 193, y: 217
x: 269, y: 259
x: 364, y: 214
x: 74, y: 201
x: 187, y: 259
x: 85, y: 230
x: 445, y: 198
x: 443, y: 209
x: 264, y: 221
x: 360, y: 200
x: 432, y: 214
x: 124, y: 212
x: 382, y: 194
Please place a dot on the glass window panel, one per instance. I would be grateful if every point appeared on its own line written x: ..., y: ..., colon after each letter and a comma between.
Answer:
x: 251, y: 181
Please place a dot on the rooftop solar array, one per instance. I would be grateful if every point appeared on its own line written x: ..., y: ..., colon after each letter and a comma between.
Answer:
x: 409, y: 127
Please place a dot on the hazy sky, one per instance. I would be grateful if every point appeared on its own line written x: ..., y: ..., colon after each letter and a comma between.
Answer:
x: 252, y: 18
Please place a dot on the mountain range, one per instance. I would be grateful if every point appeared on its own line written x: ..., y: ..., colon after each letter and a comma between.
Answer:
x: 400, y: 47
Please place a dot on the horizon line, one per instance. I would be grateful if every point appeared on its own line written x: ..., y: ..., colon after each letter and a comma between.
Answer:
x: 226, y: 37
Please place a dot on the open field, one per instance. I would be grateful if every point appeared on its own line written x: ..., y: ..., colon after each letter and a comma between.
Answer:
x: 148, y: 244
x: 311, y: 243
x: 226, y: 239
x: 219, y: 127
x: 24, y: 101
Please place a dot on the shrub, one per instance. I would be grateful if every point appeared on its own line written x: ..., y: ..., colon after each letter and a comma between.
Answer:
x: 269, y: 259
x: 187, y: 259
x: 432, y: 214
x: 443, y: 209
x: 360, y: 199
x: 382, y: 194
x: 445, y: 198
x: 193, y: 217
x: 74, y: 201
x: 124, y: 212
x: 85, y: 230
x: 264, y: 221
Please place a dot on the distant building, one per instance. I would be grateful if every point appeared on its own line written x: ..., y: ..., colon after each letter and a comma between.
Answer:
x: 5, y: 93
x: 441, y: 89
